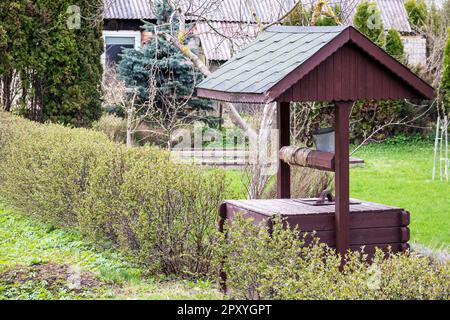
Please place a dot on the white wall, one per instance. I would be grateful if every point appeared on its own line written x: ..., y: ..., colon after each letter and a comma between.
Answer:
x: 415, y: 49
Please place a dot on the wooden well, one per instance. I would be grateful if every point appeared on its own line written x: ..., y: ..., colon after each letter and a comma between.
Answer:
x: 338, y: 65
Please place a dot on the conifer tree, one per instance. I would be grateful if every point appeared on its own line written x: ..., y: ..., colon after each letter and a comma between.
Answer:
x: 59, y: 67
x: 394, y: 45
x: 161, y: 66
x: 368, y: 21
x: 417, y: 12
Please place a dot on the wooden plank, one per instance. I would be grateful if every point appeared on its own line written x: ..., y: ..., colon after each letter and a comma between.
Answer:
x: 360, y: 237
x: 362, y: 79
x: 325, y: 222
x: 337, y: 76
x: 247, y: 214
x: 294, y: 207
x: 223, y: 209
x: 329, y: 84
x: 284, y: 170
x: 316, y: 220
x: 346, y: 74
x: 369, y: 229
x: 342, y: 176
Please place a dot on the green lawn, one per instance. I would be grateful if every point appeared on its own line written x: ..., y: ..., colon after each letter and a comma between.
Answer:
x: 400, y: 175
x: 38, y: 261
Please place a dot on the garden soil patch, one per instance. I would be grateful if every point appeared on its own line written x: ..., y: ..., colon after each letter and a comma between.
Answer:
x: 54, y: 276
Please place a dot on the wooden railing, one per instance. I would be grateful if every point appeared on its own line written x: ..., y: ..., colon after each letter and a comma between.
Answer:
x: 230, y: 157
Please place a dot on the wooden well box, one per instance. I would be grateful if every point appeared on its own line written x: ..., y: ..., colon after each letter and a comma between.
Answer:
x: 371, y: 225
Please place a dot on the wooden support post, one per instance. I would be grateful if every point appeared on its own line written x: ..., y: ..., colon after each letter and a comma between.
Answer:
x: 342, y: 180
x: 284, y: 170
x: 222, y: 273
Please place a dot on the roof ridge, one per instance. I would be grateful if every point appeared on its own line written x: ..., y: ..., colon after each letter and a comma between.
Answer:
x: 308, y: 29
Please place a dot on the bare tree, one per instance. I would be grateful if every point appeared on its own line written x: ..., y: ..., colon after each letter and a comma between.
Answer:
x: 434, y: 29
x: 169, y: 118
x: 117, y: 93
x: 258, y: 137
x: 162, y: 118
x: 203, y: 11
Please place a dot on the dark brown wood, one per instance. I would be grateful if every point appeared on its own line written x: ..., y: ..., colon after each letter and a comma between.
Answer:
x: 312, y: 218
x: 392, y: 64
x: 284, y: 170
x: 360, y: 237
x: 321, y: 160
x: 373, y: 81
x: 316, y: 159
x: 375, y: 219
x: 371, y: 224
x: 221, y: 225
x: 350, y: 67
x: 370, y: 249
x: 342, y: 176
x: 257, y: 219
x: 307, y: 158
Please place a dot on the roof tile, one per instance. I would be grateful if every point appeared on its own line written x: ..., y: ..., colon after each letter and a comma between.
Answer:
x: 272, y: 56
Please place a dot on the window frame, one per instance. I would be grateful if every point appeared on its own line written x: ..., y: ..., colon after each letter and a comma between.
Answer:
x: 121, y: 34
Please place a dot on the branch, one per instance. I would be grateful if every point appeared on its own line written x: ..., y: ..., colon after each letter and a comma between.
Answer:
x: 402, y: 122
x: 287, y: 14
x: 234, y: 114
x: 251, y: 7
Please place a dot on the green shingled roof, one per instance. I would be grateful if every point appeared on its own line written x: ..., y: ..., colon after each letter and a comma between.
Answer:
x: 269, y: 59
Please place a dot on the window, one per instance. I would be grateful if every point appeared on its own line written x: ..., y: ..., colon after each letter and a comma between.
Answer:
x: 117, y: 41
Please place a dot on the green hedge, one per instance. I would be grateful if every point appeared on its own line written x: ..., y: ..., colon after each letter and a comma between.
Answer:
x: 161, y: 213
x: 280, y: 266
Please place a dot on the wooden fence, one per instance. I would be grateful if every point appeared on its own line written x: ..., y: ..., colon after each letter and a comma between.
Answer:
x: 230, y: 158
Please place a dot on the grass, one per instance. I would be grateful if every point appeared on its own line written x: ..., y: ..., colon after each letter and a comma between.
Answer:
x: 398, y: 173
x: 38, y: 261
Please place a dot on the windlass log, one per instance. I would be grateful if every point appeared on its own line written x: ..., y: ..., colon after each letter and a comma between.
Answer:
x: 305, y: 157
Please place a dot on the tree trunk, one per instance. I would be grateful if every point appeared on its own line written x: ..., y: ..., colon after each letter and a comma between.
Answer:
x: 6, y: 81
x: 259, y: 176
x: 130, y: 116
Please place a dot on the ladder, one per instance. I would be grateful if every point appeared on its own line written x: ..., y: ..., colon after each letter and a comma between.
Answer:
x: 441, y: 147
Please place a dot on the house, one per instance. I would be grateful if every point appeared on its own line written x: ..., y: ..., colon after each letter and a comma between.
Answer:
x: 122, y: 26
x: 228, y: 25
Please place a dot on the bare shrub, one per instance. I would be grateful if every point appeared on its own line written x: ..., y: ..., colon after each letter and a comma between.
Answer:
x: 114, y: 127
x: 306, y: 183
